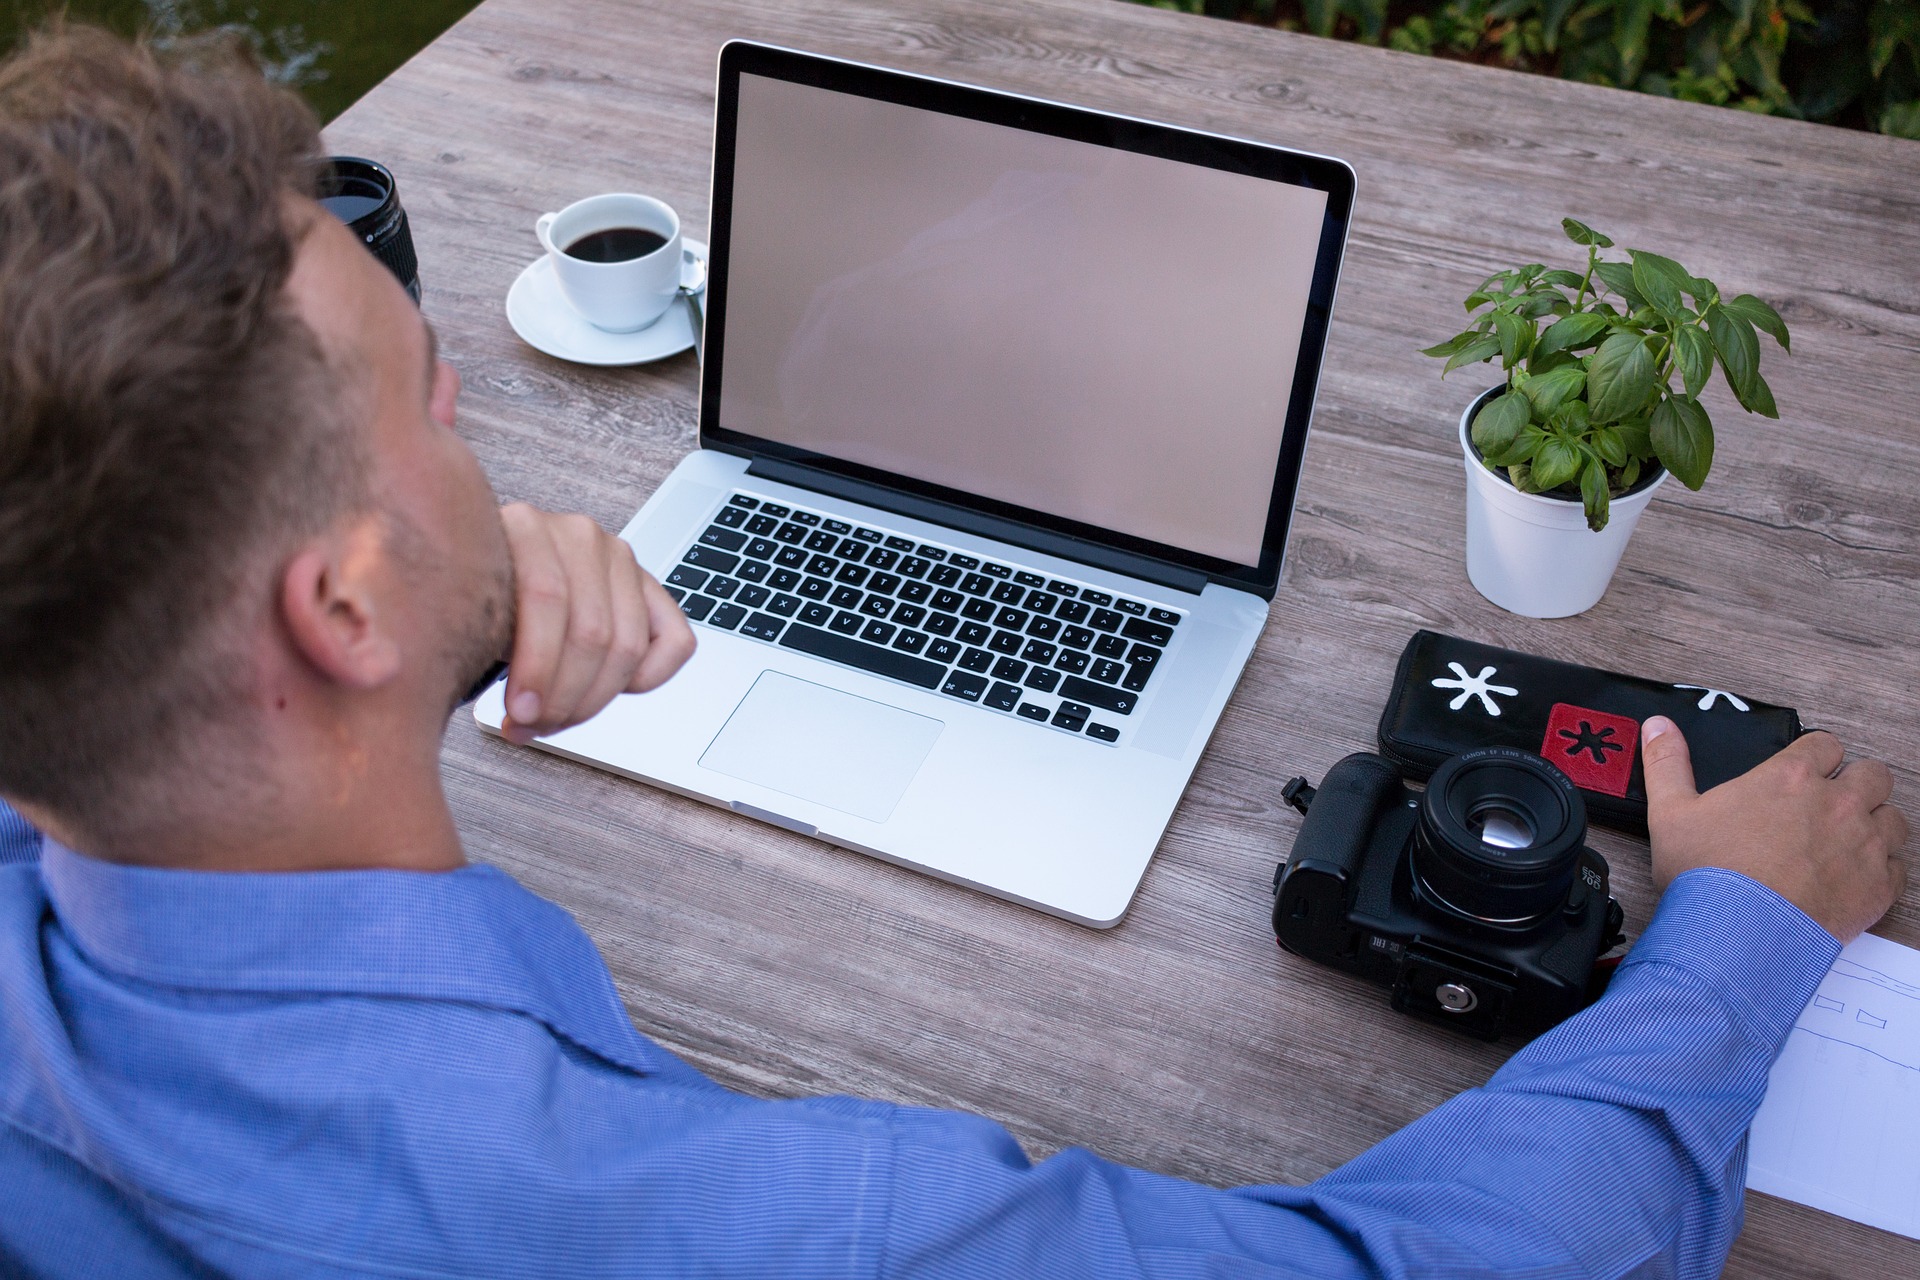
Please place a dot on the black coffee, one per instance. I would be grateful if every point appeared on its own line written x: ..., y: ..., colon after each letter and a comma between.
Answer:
x: 615, y: 244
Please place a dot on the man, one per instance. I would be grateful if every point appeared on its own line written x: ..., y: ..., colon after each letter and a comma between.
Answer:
x: 246, y: 568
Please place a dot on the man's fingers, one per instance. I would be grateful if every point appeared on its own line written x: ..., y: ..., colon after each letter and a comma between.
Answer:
x: 584, y: 557
x: 1870, y: 781
x: 670, y: 641
x: 1893, y: 828
x: 1667, y: 763
x: 1820, y: 750
x: 631, y: 634
x: 1897, y: 873
x: 540, y: 617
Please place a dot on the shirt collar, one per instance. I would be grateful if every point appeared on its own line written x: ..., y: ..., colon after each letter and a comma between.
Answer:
x: 472, y: 935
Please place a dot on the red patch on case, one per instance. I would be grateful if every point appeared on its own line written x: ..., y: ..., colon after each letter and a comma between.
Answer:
x: 1594, y: 748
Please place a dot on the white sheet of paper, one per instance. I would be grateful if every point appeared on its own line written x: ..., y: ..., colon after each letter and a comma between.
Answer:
x: 1840, y: 1127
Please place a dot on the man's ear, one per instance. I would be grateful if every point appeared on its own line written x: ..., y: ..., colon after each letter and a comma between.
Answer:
x: 330, y: 600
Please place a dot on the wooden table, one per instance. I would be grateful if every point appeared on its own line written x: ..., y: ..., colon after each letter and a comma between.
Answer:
x: 1183, y: 1040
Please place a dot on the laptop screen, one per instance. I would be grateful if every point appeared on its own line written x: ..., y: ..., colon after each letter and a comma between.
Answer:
x: 1103, y: 335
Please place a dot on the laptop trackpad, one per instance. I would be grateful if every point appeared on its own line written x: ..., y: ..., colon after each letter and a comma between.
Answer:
x: 804, y: 739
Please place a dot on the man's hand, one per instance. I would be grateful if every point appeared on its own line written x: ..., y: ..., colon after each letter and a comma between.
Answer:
x: 1820, y: 835
x: 590, y: 623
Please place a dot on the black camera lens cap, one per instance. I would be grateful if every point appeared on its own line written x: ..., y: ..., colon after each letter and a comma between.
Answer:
x: 1500, y: 835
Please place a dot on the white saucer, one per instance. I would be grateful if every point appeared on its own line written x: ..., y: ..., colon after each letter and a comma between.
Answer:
x: 547, y: 322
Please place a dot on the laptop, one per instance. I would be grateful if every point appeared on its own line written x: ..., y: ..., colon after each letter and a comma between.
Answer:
x: 1001, y: 418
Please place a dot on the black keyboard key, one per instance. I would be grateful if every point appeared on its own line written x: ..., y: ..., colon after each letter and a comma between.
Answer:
x: 943, y: 575
x: 1100, y: 695
x: 1009, y: 593
x: 806, y: 518
x: 1043, y: 679
x: 996, y: 570
x: 790, y: 533
x: 731, y: 517
x: 1063, y: 588
x: 783, y: 580
x: 1010, y: 618
x: 723, y: 587
x: 910, y: 641
x: 878, y: 632
x: 815, y: 588
x: 964, y: 561
x: 783, y: 606
x: 1167, y: 616
x: 884, y: 583
x: 1041, y: 601
x: 762, y: 548
x: 886, y: 662
x: 836, y: 526
x: 1104, y: 732
x: 727, y: 617
x: 762, y: 626
x: 974, y: 633
x: 1110, y: 646
x: 851, y: 549
x: 1071, y: 716
x: 976, y: 660
x: 698, y: 607
x: 976, y: 584
x: 762, y: 524
x: 900, y: 544
x: 948, y: 601
x: 1137, y: 678
x: 742, y: 500
x: 916, y: 592
x: 1038, y: 651
x: 1043, y: 628
x: 877, y: 606
x: 685, y: 575
x: 1147, y: 632
x: 1143, y: 655
x: 1009, y: 669
x: 793, y: 558
x: 1105, y: 620
x: 914, y: 567
x: 1097, y: 598
x: 882, y: 558
x: 823, y: 566
x: 752, y: 597
x: 868, y: 535
x: 847, y: 624
x: 816, y: 615
x: 978, y: 610
x: 1076, y: 637
x: 1034, y: 711
x: 820, y: 540
x: 943, y: 651
x: 942, y: 624
x: 1003, y: 697
x: 1107, y: 672
x: 851, y: 574
x: 929, y: 553
x: 1005, y: 642
x: 755, y: 570
x: 1026, y: 579
x: 1073, y: 611
x: 909, y: 615
x: 963, y: 685
x: 712, y: 558
x: 1072, y: 661
x: 676, y: 593
x: 1131, y: 606
x: 775, y: 509
x: 846, y: 597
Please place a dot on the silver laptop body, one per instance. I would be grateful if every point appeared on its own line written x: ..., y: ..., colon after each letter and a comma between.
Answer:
x: 1001, y: 419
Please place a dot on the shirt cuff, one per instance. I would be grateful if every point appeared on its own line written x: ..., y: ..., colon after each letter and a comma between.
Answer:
x: 1743, y: 939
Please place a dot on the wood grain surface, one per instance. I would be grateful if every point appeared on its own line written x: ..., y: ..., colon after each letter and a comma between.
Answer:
x: 1183, y: 1040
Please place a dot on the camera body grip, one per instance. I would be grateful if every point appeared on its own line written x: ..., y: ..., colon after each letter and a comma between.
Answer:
x: 1321, y: 876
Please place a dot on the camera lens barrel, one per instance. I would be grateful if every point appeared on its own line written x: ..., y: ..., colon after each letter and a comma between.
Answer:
x: 364, y: 195
x: 1499, y: 837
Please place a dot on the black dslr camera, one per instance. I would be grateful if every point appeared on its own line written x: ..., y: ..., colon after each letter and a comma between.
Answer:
x: 1477, y: 902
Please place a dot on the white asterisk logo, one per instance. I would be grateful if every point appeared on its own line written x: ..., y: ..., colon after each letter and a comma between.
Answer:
x: 1708, y: 696
x: 1474, y: 687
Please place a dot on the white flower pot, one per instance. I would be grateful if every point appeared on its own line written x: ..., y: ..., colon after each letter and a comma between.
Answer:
x: 1534, y: 555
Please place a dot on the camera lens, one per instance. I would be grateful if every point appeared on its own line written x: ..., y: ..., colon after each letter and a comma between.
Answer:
x: 1499, y: 836
x: 364, y: 195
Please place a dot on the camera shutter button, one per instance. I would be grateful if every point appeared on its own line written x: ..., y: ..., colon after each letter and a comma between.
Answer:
x: 1455, y: 998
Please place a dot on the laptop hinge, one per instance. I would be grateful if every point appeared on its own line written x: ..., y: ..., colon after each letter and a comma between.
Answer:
x: 986, y: 526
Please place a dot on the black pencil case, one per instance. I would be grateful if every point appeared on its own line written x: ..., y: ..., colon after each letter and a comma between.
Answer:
x: 1450, y: 695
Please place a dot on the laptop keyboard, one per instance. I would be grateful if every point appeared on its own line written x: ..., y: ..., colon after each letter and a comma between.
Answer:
x: 1054, y: 653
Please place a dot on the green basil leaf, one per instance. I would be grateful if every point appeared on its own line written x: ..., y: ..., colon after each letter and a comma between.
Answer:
x: 1581, y: 233
x: 1683, y: 439
x: 1477, y: 300
x: 1571, y: 332
x: 1693, y: 353
x: 1619, y: 377
x: 1762, y: 317
x: 1479, y: 349
x: 1634, y: 437
x: 1610, y: 445
x: 1521, y: 473
x: 1593, y: 494
x: 1548, y: 391
x: 1738, y: 347
x: 1562, y: 277
x: 1572, y: 419
x: 1759, y: 399
x: 1659, y: 281
x: 1516, y: 338
x: 1499, y: 422
x: 1618, y: 276
x: 1630, y: 473
x: 1556, y: 463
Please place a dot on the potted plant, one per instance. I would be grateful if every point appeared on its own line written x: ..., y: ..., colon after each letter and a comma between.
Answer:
x: 1565, y: 454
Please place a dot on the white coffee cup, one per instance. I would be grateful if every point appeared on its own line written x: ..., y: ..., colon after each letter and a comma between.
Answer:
x: 619, y: 297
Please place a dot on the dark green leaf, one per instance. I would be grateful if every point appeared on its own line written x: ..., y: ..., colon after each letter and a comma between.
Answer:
x: 1634, y: 437
x: 1659, y: 281
x: 1693, y: 355
x: 1593, y: 494
x: 1524, y: 446
x: 1565, y: 279
x: 1570, y: 332
x: 1479, y: 349
x: 1738, y: 347
x: 1762, y: 317
x: 1448, y: 347
x: 1610, y: 445
x: 1539, y: 364
x: 1571, y: 419
x: 1683, y: 439
x: 1581, y: 233
x: 1618, y: 276
x: 1516, y: 338
x: 1759, y: 399
x: 1556, y: 463
x: 1630, y: 473
x: 1548, y: 391
x: 1619, y: 377
x: 1477, y: 300
x: 1521, y: 473
x: 1499, y: 422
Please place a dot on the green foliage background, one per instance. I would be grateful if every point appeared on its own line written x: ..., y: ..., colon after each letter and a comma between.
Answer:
x: 1849, y: 62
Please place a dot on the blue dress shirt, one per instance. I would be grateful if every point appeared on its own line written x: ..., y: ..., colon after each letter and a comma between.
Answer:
x: 399, y: 1074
